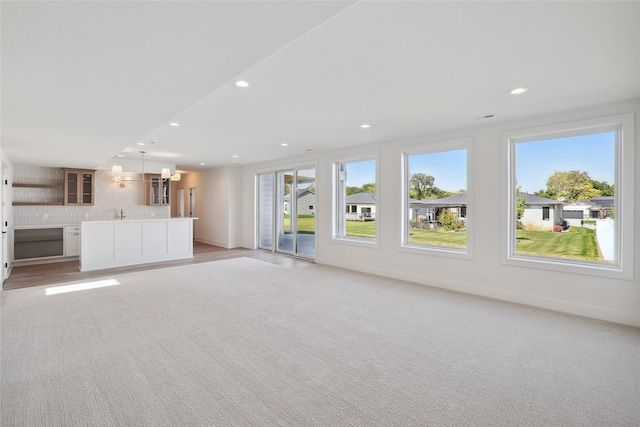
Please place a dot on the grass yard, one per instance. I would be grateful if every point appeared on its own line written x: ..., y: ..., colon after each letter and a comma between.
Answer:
x: 438, y: 237
x: 577, y: 243
x: 361, y: 229
x: 306, y: 224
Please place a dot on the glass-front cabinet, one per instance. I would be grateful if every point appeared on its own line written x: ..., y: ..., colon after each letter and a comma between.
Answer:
x: 79, y: 187
x: 157, y: 190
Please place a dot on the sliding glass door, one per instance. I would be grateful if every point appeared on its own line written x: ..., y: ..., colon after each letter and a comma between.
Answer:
x: 286, y: 212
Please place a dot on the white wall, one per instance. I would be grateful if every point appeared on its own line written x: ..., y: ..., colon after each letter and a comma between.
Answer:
x: 604, y: 298
x: 217, y: 222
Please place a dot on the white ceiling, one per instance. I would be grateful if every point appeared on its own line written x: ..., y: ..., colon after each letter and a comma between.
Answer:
x: 85, y: 81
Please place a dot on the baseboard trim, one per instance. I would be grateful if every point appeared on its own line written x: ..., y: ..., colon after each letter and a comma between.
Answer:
x: 568, y: 307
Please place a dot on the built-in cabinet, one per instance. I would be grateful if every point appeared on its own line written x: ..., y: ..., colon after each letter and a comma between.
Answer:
x: 158, y: 190
x: 79, y: 187
x: 71, y: 240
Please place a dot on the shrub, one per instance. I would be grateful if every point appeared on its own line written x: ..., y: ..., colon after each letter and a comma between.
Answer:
x: 449, y: 221
x: 530, y: 226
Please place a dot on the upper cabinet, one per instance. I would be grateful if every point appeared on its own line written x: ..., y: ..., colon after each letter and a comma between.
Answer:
x: 158, y: 190
x: 79, y: 187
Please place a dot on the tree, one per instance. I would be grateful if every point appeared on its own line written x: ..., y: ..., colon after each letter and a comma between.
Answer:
x: 352, y: 190
x: 369, y: 188
x: 603, y: 187
x: 420, y: 185
x: 366, y: 188
x: 570, y: 186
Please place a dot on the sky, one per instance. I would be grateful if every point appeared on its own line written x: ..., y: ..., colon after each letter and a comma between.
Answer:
x: 448, y: 168
x: 536, y: 161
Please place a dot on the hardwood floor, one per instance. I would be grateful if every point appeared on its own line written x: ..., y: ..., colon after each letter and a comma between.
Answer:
x: 43, y: 274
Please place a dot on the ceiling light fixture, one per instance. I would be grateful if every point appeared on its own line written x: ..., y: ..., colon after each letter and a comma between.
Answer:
x: 242, y: 83
x: 519, y: 90
x: 123, y: 181
x: 235, y: 156
x: 174, y: 124
x: 284, y: 144
x: 202, y: 164
x: 365, y: 126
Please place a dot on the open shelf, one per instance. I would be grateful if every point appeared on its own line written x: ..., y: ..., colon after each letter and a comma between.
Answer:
x: 55, y: 186
x: 37, y: 204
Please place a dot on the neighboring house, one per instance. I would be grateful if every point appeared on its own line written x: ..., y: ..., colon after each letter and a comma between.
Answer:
x: 430, y: 209
x: 594, y: 208
x: 541, y: 213
x: 306, y: 202
x: 360, y: 207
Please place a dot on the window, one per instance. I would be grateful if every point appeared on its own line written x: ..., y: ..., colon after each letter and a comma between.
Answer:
x: 437, y: 200
x: 355, y: 198
x: 580, y: 175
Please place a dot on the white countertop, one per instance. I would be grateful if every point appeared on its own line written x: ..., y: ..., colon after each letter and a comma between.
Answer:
x: 139, y: 219
x: 24, y: 227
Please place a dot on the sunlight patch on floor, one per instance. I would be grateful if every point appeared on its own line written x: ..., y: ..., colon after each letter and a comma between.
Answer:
x: 80, y: 286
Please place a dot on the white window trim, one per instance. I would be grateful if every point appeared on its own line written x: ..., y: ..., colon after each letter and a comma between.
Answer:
x: 465, y: 143
x: 339, y: 206
x: 624, y: 198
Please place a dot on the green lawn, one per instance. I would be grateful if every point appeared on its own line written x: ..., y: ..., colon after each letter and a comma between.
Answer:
x: 577, y: 243
x: 306, y: 224
x: 361, y: 229
x: 439, y: 237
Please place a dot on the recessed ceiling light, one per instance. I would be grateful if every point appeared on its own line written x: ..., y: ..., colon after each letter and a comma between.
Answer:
x: 235, y: 156
x: 519, y: 90
x: 242, y: 83
x: 365, y: 126
x: 120, y: 155
x: 140, y: 143
x: 174, y: 124
x: 284, y: 144
x: 201, y: 164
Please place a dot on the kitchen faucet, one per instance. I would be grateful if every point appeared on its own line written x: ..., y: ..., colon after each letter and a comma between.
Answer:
x: 122, y: 214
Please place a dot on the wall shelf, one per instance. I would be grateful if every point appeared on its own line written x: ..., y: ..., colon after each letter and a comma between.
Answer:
x: 56, y: 194
x: 56, y: 186
x: 37, y: 204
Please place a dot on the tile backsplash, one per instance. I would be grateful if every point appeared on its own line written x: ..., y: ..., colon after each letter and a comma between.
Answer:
x: 108, y: 199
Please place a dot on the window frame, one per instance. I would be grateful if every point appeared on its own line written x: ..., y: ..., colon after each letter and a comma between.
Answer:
x: 339, y: 205
x: 463, y: 143
x: 624, y: 126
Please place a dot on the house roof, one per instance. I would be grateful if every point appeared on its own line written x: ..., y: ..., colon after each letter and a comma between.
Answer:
x: 451, y: 201
x: 603, y: 202
x: 361, y: 198
x: 301, y: 193
x: 532, y: 199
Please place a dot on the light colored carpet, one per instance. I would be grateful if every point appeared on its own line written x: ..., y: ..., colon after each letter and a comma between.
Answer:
x: 247, y: 343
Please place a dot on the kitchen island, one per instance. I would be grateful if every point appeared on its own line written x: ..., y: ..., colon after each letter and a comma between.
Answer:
x: 118, y: 243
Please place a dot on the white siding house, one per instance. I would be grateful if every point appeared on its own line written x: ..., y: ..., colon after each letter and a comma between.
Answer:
x: 541, y: 213
x: 360, y: 207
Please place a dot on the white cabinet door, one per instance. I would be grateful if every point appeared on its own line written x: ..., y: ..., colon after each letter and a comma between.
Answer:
x: 72, y: 240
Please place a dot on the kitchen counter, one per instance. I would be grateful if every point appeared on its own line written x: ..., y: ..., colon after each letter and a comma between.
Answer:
x: 118, y: 243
